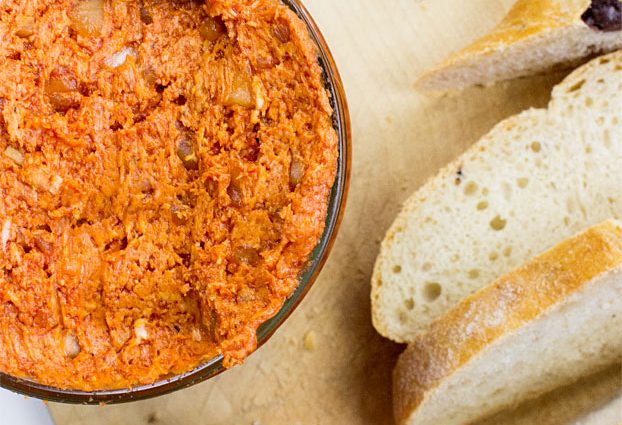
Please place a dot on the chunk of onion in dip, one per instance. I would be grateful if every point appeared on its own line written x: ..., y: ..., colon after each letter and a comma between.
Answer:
x: 119, y: 58
x: 71, y: 346
x: 87, y: 17
x: 140, y: 329
x: 6, y: 233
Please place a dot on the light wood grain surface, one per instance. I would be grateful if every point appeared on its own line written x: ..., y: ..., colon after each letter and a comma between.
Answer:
x: 326, y: 365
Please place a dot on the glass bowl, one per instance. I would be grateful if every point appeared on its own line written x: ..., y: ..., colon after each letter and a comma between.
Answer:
x: 336, y: 208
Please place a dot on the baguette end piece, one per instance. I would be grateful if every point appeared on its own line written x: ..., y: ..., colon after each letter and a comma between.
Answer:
x: 534, y: 37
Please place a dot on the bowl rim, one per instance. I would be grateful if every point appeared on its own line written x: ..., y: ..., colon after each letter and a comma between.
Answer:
x: 336, y: 209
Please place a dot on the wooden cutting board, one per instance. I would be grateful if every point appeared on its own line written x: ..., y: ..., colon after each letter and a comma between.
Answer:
x: 327, y: 365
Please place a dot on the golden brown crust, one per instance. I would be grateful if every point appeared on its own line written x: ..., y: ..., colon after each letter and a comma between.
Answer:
x: 526, y: 20
x: 513, y: 300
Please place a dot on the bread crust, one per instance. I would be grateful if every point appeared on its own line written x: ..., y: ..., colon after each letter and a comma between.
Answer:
x: 526, y: 19
x: 513, y: 300
x: 529, y: 23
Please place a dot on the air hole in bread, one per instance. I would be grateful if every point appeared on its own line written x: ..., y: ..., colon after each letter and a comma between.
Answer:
x: 566, y: 221
x: 397, y: 269
x: 536, y: 147
x: 498, y: 223
x: 470, y: 189
x: 522, y: 182
x: 588, y: 149
x: 474, y: 274
x: 493, y: 256
x: 410, y: 304
x: 432, y: 291
x: 482, y: 206
x: 427, y: 267
x: 507, y: 251
x: 589, y: 102
x: 576, y: 86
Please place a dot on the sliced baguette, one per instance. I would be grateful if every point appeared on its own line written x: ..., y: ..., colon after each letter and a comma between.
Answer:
x: 548, y: 323
x: 535, y: 36
x: 533, y: 181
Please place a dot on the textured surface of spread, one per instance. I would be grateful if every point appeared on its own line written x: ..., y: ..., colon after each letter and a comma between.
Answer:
x: 165, y: 172
x: 401, y: 138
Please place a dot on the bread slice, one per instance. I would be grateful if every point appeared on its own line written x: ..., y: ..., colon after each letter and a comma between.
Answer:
x: 592, y: 397
x: 535, y: 36
x: 533, y: 181
x: 552, y: 321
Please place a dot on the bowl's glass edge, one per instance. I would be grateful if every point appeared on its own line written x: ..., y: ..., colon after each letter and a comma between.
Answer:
x: 318, y: 258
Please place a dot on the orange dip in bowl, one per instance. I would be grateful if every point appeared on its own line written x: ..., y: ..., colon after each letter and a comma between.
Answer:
x: 166, y: 167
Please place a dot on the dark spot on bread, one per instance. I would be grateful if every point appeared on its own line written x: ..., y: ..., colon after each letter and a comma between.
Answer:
x: 459, y: 176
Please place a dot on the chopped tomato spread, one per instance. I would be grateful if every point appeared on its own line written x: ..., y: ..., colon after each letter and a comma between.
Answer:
x: 165, y: 169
